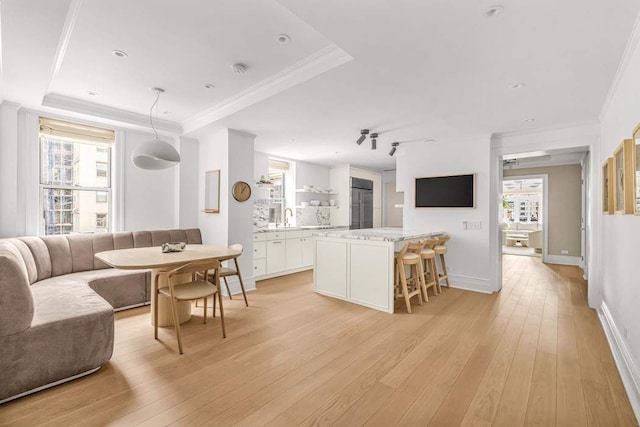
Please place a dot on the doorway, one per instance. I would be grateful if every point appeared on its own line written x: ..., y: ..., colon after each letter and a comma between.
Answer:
x: 524, y: 215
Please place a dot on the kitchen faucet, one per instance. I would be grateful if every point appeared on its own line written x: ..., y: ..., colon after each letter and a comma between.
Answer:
x: 286, y: 220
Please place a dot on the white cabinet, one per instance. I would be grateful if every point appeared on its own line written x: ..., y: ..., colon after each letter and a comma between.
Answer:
x: 276, y: 250
x: 293, y: 253
x: 259, y: 254
x: 308, y: 250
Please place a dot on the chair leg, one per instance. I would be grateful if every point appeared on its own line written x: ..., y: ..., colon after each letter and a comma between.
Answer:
x: 204, y: 316
x: 444, y: 270
x: 174, y: 310
x: 224, y: 333
x: 403, y: 284
x: 154, y: 293
x: 421, y: 283
x: 214, y: 306
x: 244, y: 294
x: 227, y: 285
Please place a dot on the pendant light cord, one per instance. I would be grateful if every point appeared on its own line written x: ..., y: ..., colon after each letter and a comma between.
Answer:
x: 151, y: 113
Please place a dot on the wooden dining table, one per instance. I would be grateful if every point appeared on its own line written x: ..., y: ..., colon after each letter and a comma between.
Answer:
x: 153, y: 258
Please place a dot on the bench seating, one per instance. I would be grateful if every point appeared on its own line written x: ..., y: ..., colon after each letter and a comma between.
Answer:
x: 57, y: 303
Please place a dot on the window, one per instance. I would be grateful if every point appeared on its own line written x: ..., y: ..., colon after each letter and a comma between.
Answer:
x: 101, y: 169
x: 75, y: 161
x: 102, y: 196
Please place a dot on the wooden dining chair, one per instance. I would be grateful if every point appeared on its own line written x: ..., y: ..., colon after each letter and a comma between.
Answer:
x: 230, y: 271
x: 189, y: 291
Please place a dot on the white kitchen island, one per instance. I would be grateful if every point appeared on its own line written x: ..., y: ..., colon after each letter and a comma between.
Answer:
x: 357, y: 265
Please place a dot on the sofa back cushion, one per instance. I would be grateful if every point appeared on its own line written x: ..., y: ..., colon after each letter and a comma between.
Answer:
x: 193, y: 236
x: 160, y: 237
x: 81, y: 246
x: 41, y: 256
x: 102, y: 242
x: 60, y: 253
x: 16, y: 301
x: 27, y: 258
x: 142, y: 239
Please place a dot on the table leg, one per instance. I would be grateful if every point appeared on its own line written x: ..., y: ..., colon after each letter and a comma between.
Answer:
x: 165, y: 317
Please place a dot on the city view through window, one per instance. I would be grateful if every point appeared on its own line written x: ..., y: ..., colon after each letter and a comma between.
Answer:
x: 75, y: 186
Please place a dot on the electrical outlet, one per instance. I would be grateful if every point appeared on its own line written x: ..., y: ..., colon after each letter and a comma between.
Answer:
x: 464, y: 225
x: 564, y: 252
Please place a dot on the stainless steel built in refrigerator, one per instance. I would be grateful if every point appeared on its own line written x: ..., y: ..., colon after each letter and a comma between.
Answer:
x: 361, y: 203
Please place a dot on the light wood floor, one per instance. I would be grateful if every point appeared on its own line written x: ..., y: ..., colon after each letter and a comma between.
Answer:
x: 533, y: 354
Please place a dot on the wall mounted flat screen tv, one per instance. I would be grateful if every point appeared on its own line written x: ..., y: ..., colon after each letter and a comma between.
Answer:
x: 457, y: 191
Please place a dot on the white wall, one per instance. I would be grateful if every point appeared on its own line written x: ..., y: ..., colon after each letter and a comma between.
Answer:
x: 231, y: 152
x: 468, y: 258
x: 620, y: 288
x: 188, y: 183
x: 8, y: 169
x: 214, y: 155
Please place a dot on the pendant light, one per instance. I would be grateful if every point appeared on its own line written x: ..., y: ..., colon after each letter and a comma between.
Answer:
x: 155, y: 154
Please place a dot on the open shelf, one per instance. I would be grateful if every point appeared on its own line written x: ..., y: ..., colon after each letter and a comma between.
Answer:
x: 302, y: 190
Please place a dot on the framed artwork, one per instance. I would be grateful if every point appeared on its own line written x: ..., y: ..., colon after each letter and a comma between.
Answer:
x: 624, y: 173
x: 212, y: 191
x: 607, y: 186
x: 636, y: 169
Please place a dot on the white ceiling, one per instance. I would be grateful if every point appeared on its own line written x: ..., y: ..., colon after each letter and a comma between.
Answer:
x: 407, y: 69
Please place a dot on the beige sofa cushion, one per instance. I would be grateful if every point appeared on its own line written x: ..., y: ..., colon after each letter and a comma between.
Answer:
x: 27, y: 257
x: 60, y: 253
x: 160, y: 237
x: 194, y: 236
x: 102, y: 242
x: 141, y: 239
x: 123, y: 240
x: 81, y: 246
x: 16, y: 301
x: 40, y: 254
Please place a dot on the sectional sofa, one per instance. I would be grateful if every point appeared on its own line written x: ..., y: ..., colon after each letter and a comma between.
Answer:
x: 57, y: 303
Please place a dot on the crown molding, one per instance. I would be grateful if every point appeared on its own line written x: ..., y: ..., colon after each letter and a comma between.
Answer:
x: 65, y: 37
x: 632, y: 45
x: 320, y: 62
x: 62, y: 102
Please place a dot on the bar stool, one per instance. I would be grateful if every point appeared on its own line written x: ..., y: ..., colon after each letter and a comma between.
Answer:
x: 430, y: 268
x: 440, y: 250
x: 414, y: 285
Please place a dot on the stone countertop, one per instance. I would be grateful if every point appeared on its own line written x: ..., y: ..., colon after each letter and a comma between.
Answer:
x: 379, y: 234
x: 301, y: 228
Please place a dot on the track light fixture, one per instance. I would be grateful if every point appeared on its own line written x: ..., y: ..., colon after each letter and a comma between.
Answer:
x: 373, y: 140
x: 363, y: 136
x: 394, y: 147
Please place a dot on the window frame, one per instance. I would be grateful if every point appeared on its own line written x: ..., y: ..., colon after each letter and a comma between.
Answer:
x: 43, y: 187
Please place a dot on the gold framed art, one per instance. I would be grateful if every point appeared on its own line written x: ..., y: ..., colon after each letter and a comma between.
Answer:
x: 607, y: 186
x: 636, y: 170
x: 624, y: 173
x: 212, y: 191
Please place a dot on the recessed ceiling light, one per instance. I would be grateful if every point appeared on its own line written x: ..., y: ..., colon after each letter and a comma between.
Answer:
x: 493, y: 11
x: 166, y: 112
x: 92, y: 93
x: 429, y: 140
x: 239, y: 68
x: 531, y: 120
x: 517, y: 85
x: 338, y: 152
x: 119, y: 53
x: 292, y: 140
x: 283, y: 38
x: 209, y: 86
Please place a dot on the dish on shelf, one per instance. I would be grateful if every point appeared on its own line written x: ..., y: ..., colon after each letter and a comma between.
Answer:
x: 314, y: 202
x: 304, y: 204
x: 332, y: 202
x: 307, y: 187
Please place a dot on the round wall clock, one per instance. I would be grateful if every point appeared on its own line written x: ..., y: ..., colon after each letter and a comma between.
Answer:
x: 241, y: 191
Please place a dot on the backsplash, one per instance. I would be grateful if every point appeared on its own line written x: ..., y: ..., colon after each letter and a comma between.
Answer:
x: 313, y: 215
x: 260, y: 215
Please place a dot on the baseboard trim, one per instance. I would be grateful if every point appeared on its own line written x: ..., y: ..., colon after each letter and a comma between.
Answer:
x: 53, y: 384
x: 624, y: 362
x: 563, y: 260
x: 469, y: 283
x: 234, y: 285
